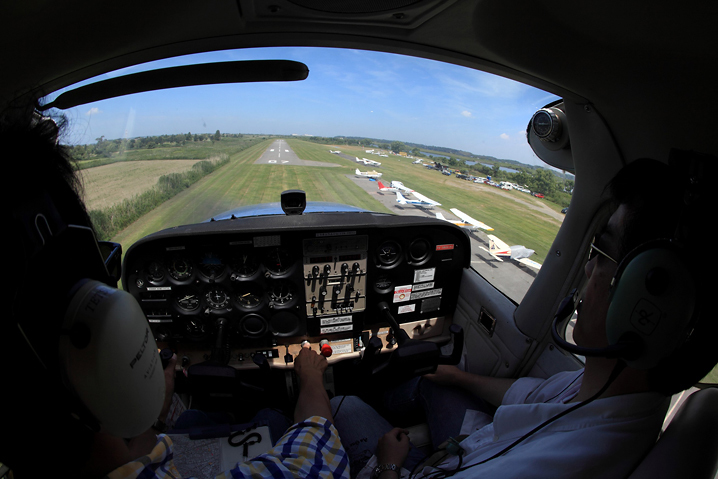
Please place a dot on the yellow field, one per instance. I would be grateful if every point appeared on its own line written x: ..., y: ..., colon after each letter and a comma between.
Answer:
x: 110, y: 184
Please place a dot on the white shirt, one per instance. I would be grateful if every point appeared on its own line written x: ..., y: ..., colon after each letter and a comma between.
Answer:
x: 605, y: 438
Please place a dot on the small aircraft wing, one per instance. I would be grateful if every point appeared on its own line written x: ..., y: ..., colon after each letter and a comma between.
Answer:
x: 399, y: 185
x: 530, y: 263
x: 426, y: 200
x: 497, y: 247
x: 470, y: 220
x: 400, y: 199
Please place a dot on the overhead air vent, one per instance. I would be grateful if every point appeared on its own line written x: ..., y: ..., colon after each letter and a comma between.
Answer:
x: 396, y: 13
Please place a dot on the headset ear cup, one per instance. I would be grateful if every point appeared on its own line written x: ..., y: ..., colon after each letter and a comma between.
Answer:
x: 110, y: 359
x: 652, y: 300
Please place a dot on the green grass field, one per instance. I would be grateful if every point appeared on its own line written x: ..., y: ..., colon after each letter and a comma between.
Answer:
x: 242, y: 182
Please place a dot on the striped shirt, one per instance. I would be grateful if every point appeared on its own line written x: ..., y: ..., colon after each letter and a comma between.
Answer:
x: 310, y: 448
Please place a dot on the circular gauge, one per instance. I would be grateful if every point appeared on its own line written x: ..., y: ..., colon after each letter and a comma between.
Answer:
x: 249, y: 295
x: 285, y: 324
x: 188, y: 302
x: 281, y: 292
x: 252, y: 325
x: 180, y: 269
x: 155, y: 272
x: 383, y: 285
x: 245, y: 265
x: 211, y: 265
x: 217, y: 298
x: 196, y: 328
x: 277, y: 260
x: 419, y: 250
x: 389, y: 253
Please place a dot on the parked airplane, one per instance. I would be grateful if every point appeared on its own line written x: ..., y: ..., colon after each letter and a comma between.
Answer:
x: 335, y: 152
x: 400, y: 186
x: 370, y: 162
x: 467, y: 222
x: 367, y: 174
x: 497, y: 249
x: 383, y: 187
x: 420, y: 201
x: 417, y: 161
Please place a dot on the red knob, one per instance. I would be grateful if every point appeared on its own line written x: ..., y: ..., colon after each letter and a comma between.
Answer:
x: 325, y: 350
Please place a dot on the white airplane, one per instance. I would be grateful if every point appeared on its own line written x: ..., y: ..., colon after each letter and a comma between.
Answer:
x: 471, y: 225
x: 497, y: 249
x: 383, y: 187
x: 370, y: 162
x: 468, y: 219
x: 335, y: 152
x: 417, y: 161
x: 420, y: 201
x: 367, y: 174
x: 400, y: 186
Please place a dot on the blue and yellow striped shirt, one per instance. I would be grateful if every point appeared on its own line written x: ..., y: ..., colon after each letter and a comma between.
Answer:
x: 310, y: 448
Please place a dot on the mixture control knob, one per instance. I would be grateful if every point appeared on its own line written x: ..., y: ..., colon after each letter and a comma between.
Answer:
x: 324, y: 348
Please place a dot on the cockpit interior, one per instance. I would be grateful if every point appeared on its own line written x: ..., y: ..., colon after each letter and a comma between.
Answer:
x: 383, y: 297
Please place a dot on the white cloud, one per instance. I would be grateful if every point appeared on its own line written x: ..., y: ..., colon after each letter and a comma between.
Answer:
x: 504, y: 136
x: 466, y: 113
x: 93, y: 111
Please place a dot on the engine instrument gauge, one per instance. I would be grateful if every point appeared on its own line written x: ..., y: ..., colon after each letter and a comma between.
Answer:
x: 281, y: 292
x: 188, y: 302
x: 249, y: 296
x: 389, y: 253
x: 196, y: 328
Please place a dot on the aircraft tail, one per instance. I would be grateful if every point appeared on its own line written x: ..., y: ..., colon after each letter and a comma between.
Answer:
x: 400, y: 198
x: 497, y: 247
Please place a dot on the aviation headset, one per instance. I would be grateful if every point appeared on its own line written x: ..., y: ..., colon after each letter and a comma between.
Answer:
x: 88, y: 338
x: 652, y: 303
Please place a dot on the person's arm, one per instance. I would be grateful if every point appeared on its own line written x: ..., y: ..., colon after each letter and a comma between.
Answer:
x: 490, y: 389
x: 313, y: 399
x: 392, y: 448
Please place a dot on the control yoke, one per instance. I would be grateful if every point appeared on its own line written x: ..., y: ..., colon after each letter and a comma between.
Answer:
x: 414, y: 357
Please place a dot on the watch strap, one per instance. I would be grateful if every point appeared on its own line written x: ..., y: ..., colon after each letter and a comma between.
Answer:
x: 384, y: 467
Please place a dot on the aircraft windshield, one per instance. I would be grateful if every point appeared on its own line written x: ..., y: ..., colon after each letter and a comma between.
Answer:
x: 377, y: 131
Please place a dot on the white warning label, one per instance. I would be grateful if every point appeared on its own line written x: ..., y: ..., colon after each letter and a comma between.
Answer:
x: 408, y: 308
x: 336, y: 329
x: 402, y: 293
x: 421, y: 275
x: 335, y: 320
x: 423, y: 286
x: 425, y: 294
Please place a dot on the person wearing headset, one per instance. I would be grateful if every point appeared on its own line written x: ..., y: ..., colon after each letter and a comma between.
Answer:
x: 84, y: 391
x: 642, y: 326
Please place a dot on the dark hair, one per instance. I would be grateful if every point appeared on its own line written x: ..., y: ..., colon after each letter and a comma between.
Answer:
x: 665, y: 202
x: 38, y: 165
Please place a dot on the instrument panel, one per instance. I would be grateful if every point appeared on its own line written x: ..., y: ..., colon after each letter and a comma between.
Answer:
x: 258, y: 283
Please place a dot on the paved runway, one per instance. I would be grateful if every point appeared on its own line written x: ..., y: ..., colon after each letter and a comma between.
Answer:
x: 280, y: 153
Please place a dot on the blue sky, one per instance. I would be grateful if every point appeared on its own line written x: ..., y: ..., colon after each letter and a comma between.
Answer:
x: 347, y: 93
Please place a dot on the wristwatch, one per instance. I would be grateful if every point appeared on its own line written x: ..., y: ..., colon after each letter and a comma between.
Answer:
x: 384, y: 467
